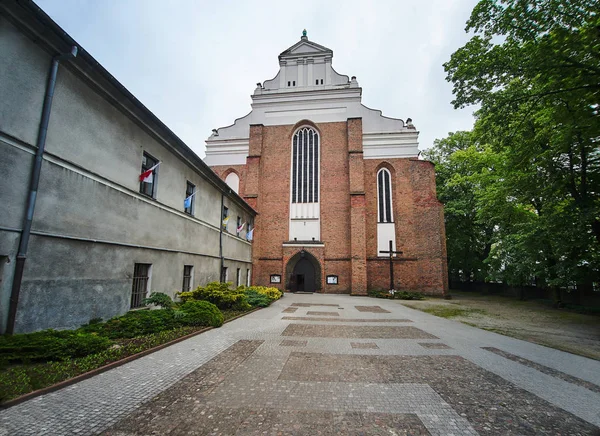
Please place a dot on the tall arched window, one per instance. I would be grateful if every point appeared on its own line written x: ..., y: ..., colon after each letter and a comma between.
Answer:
x: 305, y: 166
x: 305, y: 222
x: 384, y: 196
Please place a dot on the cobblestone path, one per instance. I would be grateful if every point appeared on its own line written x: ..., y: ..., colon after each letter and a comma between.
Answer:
x: 338, y: 365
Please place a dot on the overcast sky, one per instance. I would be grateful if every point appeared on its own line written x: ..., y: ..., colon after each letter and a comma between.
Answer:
x: 195, y: 63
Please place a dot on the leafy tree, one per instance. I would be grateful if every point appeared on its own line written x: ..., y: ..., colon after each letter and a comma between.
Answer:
x: 534, y: 67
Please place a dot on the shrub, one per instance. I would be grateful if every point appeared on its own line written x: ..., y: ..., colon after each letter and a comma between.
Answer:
x: 139, y: 323
x: 200, y: 313
x: 257, y: 299
x: 219, y: 294
x: 50, y: 345
x: 159, y: 299
x: 272, y: 293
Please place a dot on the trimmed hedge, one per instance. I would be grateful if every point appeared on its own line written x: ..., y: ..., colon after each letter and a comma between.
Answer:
x: 50, y: 345
x: 136, y: 323
x: 198, y: 313
x: 219, y: 294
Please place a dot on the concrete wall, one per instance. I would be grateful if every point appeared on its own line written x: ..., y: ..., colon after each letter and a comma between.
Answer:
x: 91, y: 224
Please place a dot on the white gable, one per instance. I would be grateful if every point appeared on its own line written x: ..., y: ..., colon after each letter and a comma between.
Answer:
x: 305, y: 48
x: 307, y: 87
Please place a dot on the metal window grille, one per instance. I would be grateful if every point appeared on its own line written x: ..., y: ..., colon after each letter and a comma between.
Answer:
x: 139, y: 290
x: 187, y: 278
x: 305, y: 166
x: 224, y: 274
x: 147, y: 163
x: 189, y: 190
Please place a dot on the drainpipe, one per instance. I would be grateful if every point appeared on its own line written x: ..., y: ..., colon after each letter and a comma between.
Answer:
x: 33, y: 189
x: 221, y: 278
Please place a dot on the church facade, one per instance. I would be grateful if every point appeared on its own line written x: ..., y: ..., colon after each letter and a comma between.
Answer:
x: 334, y: 182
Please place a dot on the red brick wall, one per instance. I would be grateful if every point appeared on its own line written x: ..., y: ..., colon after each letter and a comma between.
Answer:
x: 348, y: 199
x: 419, y: 224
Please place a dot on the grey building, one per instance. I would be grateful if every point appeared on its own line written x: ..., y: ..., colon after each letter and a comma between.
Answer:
x: 100, y: 238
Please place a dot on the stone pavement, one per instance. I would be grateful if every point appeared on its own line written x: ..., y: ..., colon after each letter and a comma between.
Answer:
x: 334, y: 365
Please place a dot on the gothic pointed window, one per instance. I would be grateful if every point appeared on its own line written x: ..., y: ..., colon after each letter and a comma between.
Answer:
x: 384, y: 196
x: 305, y: 166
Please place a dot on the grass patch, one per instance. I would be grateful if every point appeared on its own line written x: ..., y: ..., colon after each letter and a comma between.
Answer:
x: 447, y: 311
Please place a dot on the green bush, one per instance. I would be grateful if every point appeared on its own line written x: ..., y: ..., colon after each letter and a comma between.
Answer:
x: 159, y: 299
x: 50, y: 345
x: 137, y: 323
x: 257, y: 299
x: 198, y: 313
x: 219, y: 294
x: 271, y: 293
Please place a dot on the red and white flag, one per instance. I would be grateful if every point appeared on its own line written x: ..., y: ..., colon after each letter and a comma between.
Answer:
x: 148, y: 175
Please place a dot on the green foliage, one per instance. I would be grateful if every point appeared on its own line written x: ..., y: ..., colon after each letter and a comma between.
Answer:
x: 201, y: 313
x: 159, y: 299
x: 219, y: 294
x: 21, y: 379
x: 398, y: 295
x: 271, y: 293
x: 50, y: 345
x: 137, y: 323
x: 257, y: 299
x: 521, y: 191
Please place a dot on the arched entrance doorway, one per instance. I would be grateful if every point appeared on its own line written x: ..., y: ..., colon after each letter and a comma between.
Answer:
x: 303, y: 273
x: 304, y: 276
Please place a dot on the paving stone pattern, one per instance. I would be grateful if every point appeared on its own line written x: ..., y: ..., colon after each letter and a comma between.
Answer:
x: 545, y: 369
x: 364, y: 345
x: 361, y: 320
x: 262, y: 374
x: 292, y: 343
x: 290, y: 310
x: 371, y: 309
x: 434, y: 345
x: 352, y: 332
x: 322, y: 313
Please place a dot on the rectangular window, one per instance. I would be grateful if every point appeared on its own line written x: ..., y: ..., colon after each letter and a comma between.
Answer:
x: 225, y: 217
x: 317, y: 82
x: 294, y: 83
x: 188, y: 203
x: 224, y: 274
x: 141, y: 279
x: 188, y: 271
x: 238, y: 277
x: 289, y: 83
x: 247, y: 277
x: 239, y: 223
x: 148, y: 187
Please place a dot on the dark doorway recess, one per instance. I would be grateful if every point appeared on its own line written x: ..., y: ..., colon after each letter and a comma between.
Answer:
x: 303, y: 273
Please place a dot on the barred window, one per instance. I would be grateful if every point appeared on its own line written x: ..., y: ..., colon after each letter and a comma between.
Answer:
x: 305, y: 166
x: 384, y: 196
x: 187, y: 278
